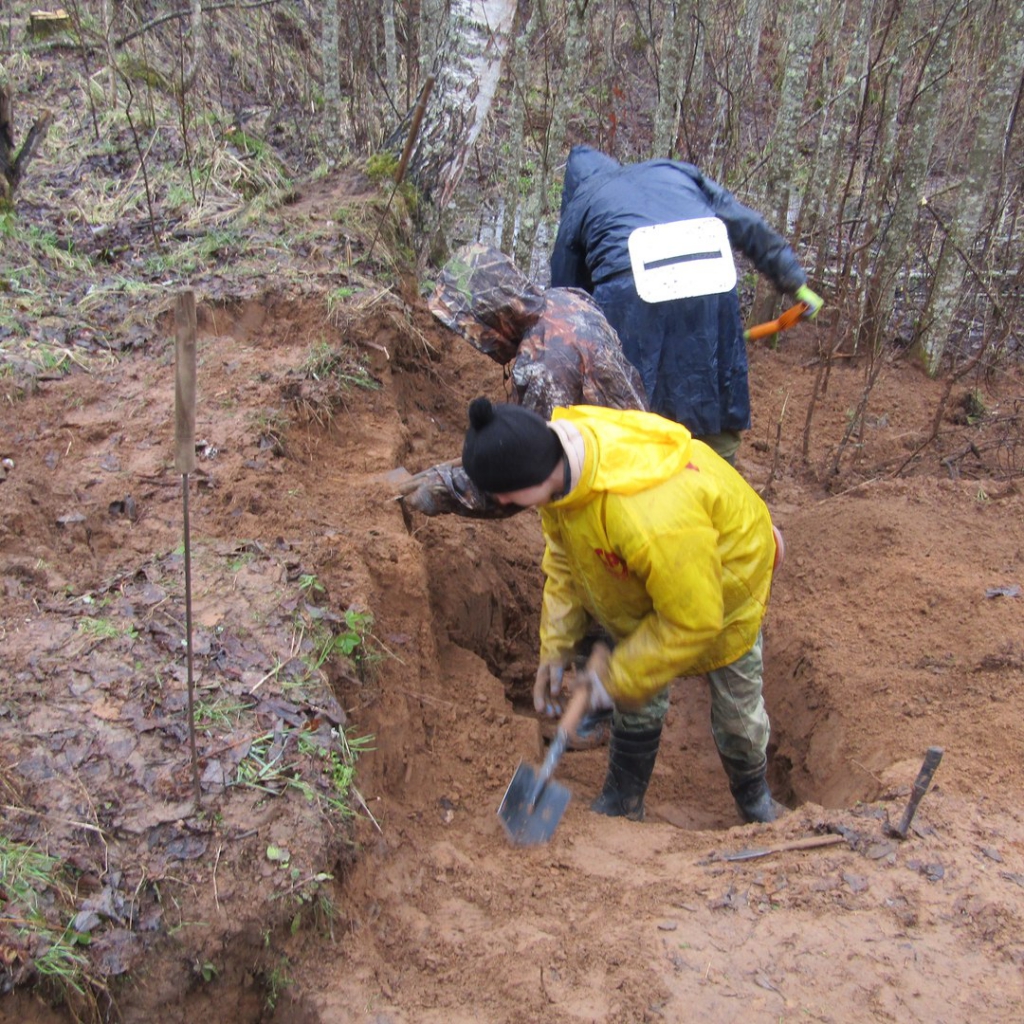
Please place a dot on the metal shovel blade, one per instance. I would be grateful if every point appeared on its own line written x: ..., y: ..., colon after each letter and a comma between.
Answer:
x: 530, y: 818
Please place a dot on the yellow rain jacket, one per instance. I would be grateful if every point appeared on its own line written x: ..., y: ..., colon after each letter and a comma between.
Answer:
x: 663, y: 543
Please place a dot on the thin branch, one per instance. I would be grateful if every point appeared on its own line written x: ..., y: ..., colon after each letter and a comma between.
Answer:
x: 171, y: 15
x: 142, y: 161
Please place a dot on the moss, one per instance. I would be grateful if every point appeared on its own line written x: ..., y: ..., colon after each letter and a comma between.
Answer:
x: 137, y: 70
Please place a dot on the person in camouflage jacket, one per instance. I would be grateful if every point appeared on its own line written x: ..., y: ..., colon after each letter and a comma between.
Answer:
x: 560, y: 350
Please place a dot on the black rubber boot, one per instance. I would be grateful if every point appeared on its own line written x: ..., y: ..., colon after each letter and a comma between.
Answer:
x: 631, y: 757
x: 749, y: 788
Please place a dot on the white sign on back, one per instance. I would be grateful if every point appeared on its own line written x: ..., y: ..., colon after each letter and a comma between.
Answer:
x: 682, y: 259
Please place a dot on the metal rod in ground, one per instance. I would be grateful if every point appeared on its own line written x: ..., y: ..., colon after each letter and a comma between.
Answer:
x: 197, y: 791
x: 185, y: 460
x: 924, y: 779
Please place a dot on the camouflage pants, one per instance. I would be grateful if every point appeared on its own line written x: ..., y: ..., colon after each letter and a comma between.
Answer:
x: 726, y: 444
x: 739, y: 721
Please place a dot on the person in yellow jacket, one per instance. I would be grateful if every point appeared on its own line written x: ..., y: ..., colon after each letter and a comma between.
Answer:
x: 658, y: 539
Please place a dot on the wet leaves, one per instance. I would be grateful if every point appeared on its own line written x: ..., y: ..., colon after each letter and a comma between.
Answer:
x: 267, y: 723
x: 856, y: 883
x: 126, y: 507
x: 933, y: 871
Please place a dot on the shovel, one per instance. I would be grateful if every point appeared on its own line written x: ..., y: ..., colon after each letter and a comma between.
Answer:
x: 786, y: 319
x: 534, y: 803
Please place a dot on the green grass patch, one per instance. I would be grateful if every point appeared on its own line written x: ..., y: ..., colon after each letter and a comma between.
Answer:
x: 220, y: 713
x: 43, y: 244
x: 292, y: 760
x: 106, y: 629
x: 36, y: 894
x: 341, y: 365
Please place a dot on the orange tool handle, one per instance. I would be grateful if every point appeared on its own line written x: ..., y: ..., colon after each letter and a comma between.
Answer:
x: 787, y: 319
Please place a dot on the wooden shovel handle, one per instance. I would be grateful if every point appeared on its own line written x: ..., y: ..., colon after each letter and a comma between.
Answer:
x: 575, y: 710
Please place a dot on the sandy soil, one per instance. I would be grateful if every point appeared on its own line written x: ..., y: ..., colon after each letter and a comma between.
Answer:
x: 894, y: 627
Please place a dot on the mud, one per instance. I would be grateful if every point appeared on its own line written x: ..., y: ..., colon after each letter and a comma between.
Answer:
x: 893, y: 628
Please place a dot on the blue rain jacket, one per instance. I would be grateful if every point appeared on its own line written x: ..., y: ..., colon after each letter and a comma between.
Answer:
x: 690, y: 353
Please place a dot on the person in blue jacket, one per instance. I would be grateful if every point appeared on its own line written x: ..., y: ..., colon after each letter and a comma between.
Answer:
x: 690, y: 352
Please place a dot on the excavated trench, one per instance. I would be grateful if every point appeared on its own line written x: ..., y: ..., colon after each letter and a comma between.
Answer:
x: 493, y: 612
x: 481, y: 586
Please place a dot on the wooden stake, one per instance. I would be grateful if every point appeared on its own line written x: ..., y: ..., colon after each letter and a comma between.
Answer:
x: 185, y: 383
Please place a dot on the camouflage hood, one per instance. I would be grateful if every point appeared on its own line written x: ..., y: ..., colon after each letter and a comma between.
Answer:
x: 483, y: 296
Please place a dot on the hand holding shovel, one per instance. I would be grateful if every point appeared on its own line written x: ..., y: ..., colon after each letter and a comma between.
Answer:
x: 534, y: 803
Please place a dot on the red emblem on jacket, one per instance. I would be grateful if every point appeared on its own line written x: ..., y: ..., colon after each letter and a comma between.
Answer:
x: 615, y: 565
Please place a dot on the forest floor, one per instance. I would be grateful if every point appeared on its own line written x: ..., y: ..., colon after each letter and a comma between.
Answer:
x: 332, y: 633
x: 895, y: 625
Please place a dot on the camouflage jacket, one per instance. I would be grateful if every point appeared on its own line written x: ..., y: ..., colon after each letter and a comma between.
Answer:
x: 561, y: 349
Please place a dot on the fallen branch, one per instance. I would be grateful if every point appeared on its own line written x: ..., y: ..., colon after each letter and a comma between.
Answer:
x: 187, y: 13
x: 809, y: 843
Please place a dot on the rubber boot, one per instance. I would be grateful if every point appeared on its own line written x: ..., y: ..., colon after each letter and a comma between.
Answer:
x: 749, y: 788
x: 631, y: 757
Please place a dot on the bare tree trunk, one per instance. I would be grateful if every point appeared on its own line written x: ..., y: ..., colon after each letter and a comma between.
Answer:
x: 358, y: 52
x: 565, y: 95
x: 108, y: 40
x: 750, y: 31
x: 984, y: 158
x: 871, y: 320
x: 198, y: 44
x: 838, y: 112
x: 390, y: 50
x: 666, y: 117
x: 517, y: 130
x: 803, y: 27
x: 332, y: 74
x: 12, y: 166
x: 741, y: 85
x: 431, y: 29
x: 907, y: 154
x: 693, y: 61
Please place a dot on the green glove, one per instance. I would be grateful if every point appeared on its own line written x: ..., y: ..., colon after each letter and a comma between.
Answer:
x: 813, y: 299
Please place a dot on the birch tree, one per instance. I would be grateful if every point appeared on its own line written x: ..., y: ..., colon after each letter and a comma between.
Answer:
x: 468, y: 66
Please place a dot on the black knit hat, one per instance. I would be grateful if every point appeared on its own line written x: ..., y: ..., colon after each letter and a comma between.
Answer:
x: 508, y: 448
